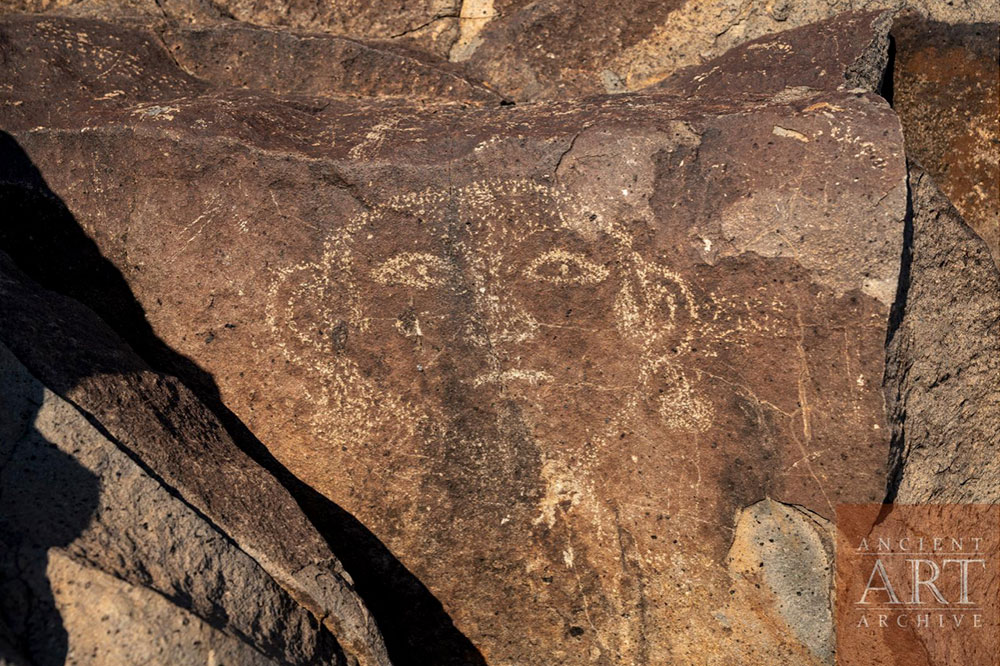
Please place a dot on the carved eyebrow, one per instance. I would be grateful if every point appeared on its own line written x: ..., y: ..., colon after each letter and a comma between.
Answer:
x: 412, y: 269
x: 585, y: 271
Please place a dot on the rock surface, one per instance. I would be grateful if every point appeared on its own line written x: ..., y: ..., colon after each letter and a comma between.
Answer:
x: 176, y: 447
x: 287, y: 62
x: 112, y: 65
x: 93, y: 544
x: 429, y: 24
x: 946, y: 90
x: 782, y: 565
x: 530, y: 50
x: 547, y: 354
x: 944, y: 360
x: 855, y: 55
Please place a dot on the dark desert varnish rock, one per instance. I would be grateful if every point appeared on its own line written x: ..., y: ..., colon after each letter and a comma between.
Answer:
x: 548, y: 354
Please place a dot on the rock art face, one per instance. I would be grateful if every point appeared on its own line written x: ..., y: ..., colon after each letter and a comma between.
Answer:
x: 944, y: 360
x: 181, y: 449
x: 947, y: 92
x: 546, y: 354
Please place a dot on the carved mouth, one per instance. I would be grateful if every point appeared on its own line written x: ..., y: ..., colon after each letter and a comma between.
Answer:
x: 514, y: 375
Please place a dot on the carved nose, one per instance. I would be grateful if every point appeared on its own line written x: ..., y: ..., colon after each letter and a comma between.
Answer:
x: 506, y: 320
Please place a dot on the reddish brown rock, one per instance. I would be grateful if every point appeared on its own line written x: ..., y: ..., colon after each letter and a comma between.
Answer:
x: 534, y: 50
x: 545, y: 50
x: 429, y: 24
x: 105, y: 66
x: 855, y: 55
x: 946, y: 89
x: 546, y: 353
x: 287, y: 62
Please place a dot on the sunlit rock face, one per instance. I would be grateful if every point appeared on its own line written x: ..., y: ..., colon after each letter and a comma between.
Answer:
x: 122, y: 492
x: 548, y: 354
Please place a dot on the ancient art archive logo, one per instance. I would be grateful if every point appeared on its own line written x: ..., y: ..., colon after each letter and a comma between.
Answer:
x: 918, y: 585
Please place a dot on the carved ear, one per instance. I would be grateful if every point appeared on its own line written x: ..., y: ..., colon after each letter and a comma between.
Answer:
x: 306, y: 310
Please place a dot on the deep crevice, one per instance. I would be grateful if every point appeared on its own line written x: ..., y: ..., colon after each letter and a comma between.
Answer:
x: 897, y: 444
x: 887, y: 84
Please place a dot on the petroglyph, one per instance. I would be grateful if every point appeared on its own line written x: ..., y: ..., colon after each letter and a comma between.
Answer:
x: 467, y: 247
x: 562, y: 267
x: 412, y: 269
x: 505, y: 276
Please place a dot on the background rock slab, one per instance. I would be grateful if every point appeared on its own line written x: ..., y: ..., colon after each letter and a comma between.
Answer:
x: 527, y: 50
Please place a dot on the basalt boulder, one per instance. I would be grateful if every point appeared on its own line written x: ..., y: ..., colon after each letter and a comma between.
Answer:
x: 548, y: 354
x: 128, y: 473
x: 946, y: 90
x: 526, y: 50
x: 128, y: 533
x: 431, y: 25
x: 944, y: 359
x: 101, y: 65
x: 545, y: 50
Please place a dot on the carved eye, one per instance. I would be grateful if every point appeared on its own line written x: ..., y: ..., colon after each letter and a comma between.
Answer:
x: 413, y: 269
x: 562, y: 267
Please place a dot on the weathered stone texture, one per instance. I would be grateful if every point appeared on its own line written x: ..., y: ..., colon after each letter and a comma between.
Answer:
x: 944, y: 360
x: 782, y: 567
x: 77, y: 511
x: 159, y: 422
x: 429, y: 24
x: 855, y: 54
x: 287, y: 62
x: 946, y: 90
x: 547, y: 354
x: 535, y: 50
x: 103, y: 65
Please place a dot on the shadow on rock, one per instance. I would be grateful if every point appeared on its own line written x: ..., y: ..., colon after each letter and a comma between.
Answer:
x: 44, y: 239
x: 46, y: 501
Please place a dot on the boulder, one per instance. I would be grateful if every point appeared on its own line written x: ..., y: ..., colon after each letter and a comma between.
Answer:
x: 943, y: 365
x: 117, y: 65
x: 431, y: 25
x: 855, y: 56
x: 296, y: 63
x: 101, y: 563
x: 544, y: 50
x: 172, y: 504
x: 547, y: 353
x: 946, y: 90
